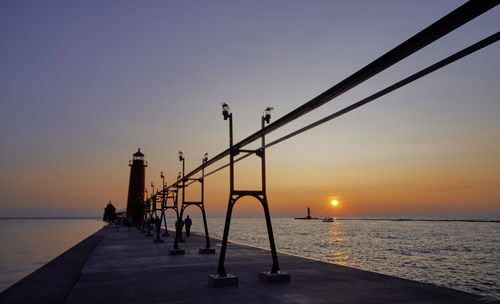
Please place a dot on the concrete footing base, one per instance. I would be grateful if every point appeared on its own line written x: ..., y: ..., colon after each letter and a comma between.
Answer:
x: 157, y: 241
x: 274, y: 277
x: 174, y: 251
x: 218, y: 281
x: 207, y: 250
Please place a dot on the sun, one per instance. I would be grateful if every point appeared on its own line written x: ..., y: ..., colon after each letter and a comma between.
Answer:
x: 335, y: 203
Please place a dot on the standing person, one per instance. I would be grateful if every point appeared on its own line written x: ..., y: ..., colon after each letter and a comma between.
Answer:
x: 188, y: 223
x: 179, y: 224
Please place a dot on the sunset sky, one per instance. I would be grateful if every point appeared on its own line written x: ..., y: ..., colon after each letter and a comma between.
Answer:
x: 84, y: 84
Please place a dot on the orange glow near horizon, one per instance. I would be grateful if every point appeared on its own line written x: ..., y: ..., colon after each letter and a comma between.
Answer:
x: 424, y: 149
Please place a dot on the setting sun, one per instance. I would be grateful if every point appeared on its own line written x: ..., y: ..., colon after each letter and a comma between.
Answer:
x: 335, y: 202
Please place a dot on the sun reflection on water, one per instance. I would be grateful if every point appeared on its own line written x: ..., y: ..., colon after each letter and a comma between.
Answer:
x: 338, y: 252
x: 459, y: 255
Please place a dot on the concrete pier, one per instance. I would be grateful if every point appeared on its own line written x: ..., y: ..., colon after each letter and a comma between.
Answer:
x: 125, y: 267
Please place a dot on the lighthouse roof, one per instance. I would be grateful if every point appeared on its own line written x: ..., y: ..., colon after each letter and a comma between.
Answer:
x: 138, y: 153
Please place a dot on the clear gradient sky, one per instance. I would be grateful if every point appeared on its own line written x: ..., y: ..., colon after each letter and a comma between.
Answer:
x: 83, y: 84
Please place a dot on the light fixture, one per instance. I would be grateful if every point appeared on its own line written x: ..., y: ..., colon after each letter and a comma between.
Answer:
x: 225, y: 111
x: 267, y: 114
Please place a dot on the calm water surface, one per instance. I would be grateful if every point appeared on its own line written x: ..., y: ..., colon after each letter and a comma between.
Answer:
x: 28, y: 244
x: 456, y: 254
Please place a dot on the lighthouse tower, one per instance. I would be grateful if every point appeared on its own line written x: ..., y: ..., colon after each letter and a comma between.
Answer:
x: 136, y: 187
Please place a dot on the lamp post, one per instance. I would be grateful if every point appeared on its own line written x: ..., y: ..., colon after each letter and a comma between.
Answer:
x: 226, y: 113
x: 221, y: 271
x: 222, y: 278
x: 163, y: 204
x: 145, y: 208
x: 207, y: 249
x: 152, y: 209
x: 275, y: 270
x: 149, y: 208
x: 162, y: 191
x: 183, y: 160
x: 178, y: 225
x: 153, y: 196
x: 157, y: 220
x: 266, y: 118
x: 162, y: 176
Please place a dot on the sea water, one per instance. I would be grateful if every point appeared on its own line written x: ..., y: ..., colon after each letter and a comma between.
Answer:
x: 28, y: 244
x: 461, y: 253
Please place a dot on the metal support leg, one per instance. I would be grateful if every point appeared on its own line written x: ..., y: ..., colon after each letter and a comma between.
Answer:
x: 222, y: 278
x: 164, y: 218
x: 274, y: 275
x: 207, y: 249
x: 178, y: 234
x: 275, y: 268
x: 221, y: 271
x: 207, y: 238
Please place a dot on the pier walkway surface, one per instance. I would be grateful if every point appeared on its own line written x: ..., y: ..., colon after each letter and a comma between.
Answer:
x: 126, y: 267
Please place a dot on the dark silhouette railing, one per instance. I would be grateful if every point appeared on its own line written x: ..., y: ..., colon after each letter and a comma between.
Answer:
x: 440, y: 28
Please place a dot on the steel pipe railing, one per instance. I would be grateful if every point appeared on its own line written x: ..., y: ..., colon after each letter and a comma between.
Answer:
x: 438, y: 29
x: 432, y: 68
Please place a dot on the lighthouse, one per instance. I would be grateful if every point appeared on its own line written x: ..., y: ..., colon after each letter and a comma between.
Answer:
x: 136, y: 187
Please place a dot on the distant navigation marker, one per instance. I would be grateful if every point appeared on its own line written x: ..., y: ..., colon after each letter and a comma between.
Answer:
x: 308, y: 217
x: 136, y: 187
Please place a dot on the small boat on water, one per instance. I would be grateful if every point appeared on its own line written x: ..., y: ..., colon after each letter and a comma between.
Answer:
x: 328, y: 219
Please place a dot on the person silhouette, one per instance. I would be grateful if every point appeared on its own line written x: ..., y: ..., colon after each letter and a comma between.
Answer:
x: 188, y: 224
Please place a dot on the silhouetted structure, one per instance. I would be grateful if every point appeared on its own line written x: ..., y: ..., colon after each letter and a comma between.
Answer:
x: 109, y: 213
x: 136, y: 187
x: 222, y: 278
x: 308, y: 217
x: 184, y: 204
x: 438, y: 29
